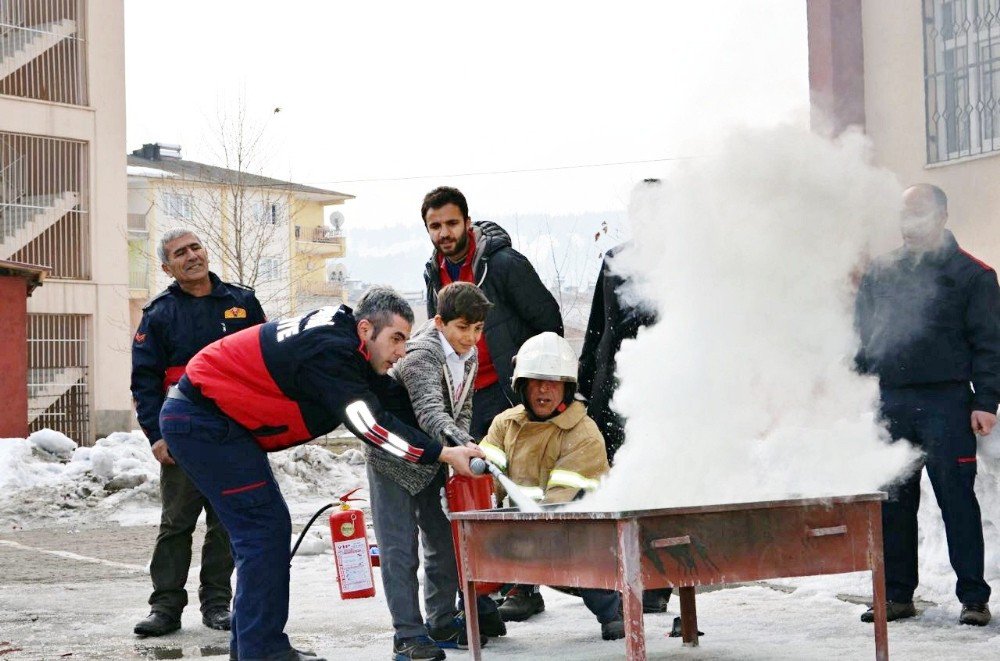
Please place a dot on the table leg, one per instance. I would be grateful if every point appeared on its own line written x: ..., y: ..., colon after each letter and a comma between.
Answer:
x: 877, y: 563
x: 689, y: 617
x: 630, y: 580
x: 469, y: 591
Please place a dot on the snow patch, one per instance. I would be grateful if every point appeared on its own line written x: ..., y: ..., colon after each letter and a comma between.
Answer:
x: 43, y: 479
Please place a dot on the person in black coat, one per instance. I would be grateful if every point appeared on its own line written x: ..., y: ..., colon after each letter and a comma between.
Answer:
x: 928, y: 317
x: 195, y: 310
x: 481, y: 253
x: 612, y: 320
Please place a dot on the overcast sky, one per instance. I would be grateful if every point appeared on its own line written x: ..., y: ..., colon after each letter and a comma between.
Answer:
x: 391, y: 90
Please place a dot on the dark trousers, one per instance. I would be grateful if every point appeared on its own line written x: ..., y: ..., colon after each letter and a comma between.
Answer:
x: 937, y: 420
x: 398, y: 517
x: 230, y: 469
x: 486, y: 405
x: 182, y: 505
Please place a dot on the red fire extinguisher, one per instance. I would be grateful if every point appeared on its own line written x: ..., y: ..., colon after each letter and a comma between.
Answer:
x: 465, y: 494
x: 350, y: 550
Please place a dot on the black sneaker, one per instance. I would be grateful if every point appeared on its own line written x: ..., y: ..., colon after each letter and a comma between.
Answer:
x: 521, y: 603
x: 491, y: 624
x: 894, y: 610
x: 417, y: 648
x: 157, y: 624
x: 453, y: 635
x: 978, y: 615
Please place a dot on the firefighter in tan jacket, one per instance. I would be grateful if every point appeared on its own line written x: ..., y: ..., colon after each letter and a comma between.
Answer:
x: 550, y: 448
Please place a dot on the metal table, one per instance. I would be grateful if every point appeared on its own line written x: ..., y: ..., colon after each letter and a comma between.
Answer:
x: 680, y: 547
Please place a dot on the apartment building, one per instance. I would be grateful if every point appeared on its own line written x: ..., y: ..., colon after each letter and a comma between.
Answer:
x: 62, y: 205
x: 923, y: 80
x: 266, y: 233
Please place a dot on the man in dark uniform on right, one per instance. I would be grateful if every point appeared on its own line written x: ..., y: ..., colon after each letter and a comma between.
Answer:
x: 929, y: 319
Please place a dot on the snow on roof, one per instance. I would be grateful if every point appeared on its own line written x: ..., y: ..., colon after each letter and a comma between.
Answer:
x: 142, y: 171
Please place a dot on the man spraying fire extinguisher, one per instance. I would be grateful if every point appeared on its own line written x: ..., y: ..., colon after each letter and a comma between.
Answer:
x: 266, y: 389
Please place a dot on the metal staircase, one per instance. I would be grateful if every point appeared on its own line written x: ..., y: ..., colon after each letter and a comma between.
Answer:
x: 30, y: 216
x: 47, y: 385
x: 21, y: 45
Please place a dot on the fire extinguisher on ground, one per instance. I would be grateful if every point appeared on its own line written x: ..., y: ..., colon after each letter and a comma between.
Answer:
x: 350, y: 550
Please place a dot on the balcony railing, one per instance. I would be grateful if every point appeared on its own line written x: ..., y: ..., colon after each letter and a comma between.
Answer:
x: 322, y: 289
x: 43, y: 52
x: 327, y: 235
x: 43, y: 204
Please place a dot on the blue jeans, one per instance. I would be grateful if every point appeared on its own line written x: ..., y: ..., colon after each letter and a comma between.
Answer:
x: 935, y: 418
x: 232, y: 472
x: 399, y: 518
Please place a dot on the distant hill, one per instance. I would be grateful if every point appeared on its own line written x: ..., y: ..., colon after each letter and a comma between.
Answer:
x: 565, y: 248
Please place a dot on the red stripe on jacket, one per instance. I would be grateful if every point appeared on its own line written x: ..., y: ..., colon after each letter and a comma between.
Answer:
x: 487, y: 374
x: 172, y: 376
x: 232, y: 373
x: 976, y: 260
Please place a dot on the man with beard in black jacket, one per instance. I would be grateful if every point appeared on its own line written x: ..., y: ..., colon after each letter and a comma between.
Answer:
x: 481, y: 253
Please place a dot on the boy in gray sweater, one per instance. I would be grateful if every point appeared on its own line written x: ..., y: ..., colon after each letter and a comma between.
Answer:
x: 438, y: 372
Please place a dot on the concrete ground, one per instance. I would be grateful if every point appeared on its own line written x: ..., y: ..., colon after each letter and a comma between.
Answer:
x: 76, y: 592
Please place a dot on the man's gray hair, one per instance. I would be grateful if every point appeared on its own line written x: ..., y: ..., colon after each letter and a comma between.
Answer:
x: 379, y: 304
x: 168, y: 236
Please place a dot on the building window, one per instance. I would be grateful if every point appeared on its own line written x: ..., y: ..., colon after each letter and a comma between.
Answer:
x: 268, y: 212
x: 962, y: 78
x: 269, y: 270
x: 177, y: 205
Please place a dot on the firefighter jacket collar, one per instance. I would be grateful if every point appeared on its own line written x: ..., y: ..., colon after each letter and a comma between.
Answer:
x: 566, y: 420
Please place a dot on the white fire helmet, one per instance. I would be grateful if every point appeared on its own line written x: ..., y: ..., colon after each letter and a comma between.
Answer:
x: 546, y: 356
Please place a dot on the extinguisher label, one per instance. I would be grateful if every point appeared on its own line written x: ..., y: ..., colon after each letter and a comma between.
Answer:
x: 353, y: 567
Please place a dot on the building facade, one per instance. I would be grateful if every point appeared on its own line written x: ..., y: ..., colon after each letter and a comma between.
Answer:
x: 62, y: 205
x: 265, y: 233
x: 923, y: 80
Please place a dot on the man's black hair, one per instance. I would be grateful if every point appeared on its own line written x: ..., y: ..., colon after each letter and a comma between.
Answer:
x: 441, y: 196
x: 379, y: 304
x: 463, y: 300
x: 940, y: 199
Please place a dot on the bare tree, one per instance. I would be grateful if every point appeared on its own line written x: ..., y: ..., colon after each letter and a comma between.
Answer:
x: 243, y: 218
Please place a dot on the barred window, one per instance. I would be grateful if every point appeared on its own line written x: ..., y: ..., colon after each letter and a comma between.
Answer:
x: 178, y: 205
x: 962, y: 78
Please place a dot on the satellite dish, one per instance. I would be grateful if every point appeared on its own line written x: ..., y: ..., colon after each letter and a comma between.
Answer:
x: 336, y: 220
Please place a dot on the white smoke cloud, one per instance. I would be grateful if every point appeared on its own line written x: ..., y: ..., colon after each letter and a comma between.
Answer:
x: 745, y: 390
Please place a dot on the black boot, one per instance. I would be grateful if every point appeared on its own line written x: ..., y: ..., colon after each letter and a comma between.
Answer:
x: 521, y: 603
x: 157, y: 624
x: 217, y: 618
x: 975, y: 614
x: 894, y: 610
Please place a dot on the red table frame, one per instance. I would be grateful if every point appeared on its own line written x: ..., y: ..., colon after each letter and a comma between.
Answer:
x: 680, y: 547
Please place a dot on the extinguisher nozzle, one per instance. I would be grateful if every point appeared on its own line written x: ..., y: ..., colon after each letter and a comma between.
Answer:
x: 478, y: 466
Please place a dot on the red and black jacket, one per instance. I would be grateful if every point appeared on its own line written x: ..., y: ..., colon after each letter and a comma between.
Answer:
x: 174, y: 327
x: 291, y: 380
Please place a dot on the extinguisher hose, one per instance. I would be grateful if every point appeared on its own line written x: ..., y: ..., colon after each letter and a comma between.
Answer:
x: 306, y: 529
